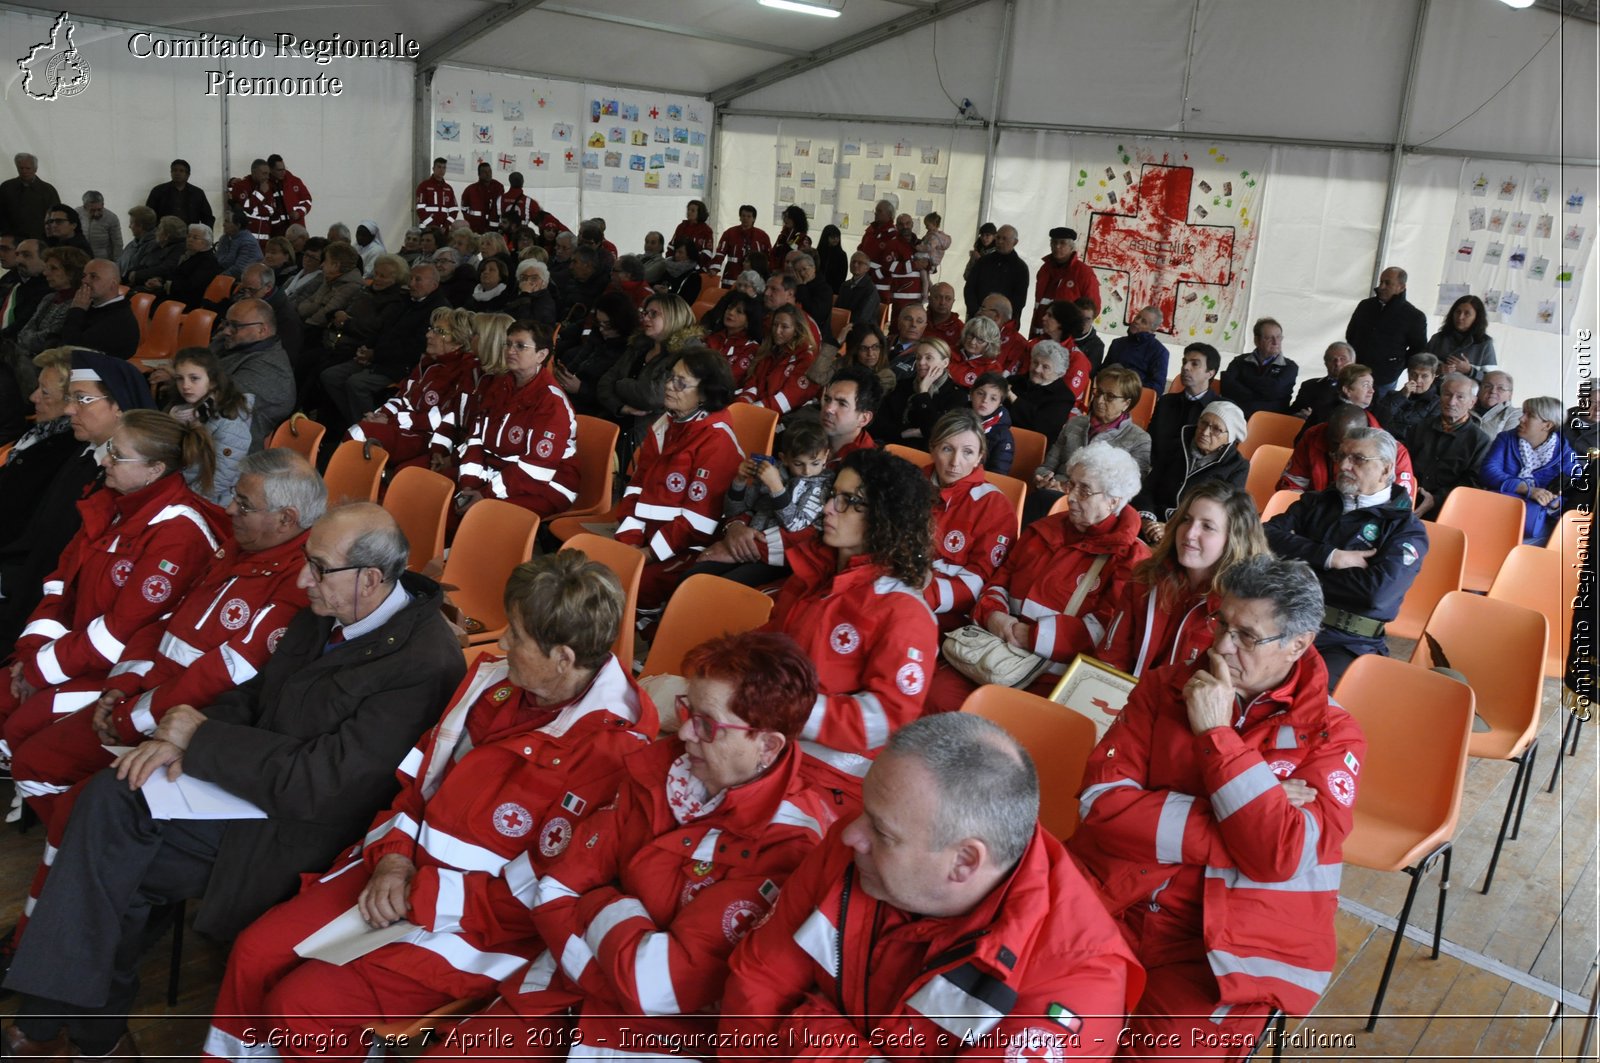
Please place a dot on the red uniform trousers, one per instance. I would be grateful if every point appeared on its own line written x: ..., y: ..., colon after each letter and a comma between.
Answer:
x: 52, y: 751
x: 1174, y: 1018
x: 497, y: 1032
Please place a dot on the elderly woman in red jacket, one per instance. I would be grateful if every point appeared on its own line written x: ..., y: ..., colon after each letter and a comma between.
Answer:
x: 1057, y: 591
x: 974, y: 522
x: 497, y: 789
x: 412, y: 422
x: 639, y: 920
x: 521, y: 440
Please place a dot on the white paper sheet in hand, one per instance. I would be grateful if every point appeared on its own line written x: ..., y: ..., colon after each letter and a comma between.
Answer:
x: 191, y: 798
x: 349, y: 937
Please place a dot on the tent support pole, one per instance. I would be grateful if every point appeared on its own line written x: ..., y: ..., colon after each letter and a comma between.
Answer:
x: 1391, y: 194
x: 1002, y: 61
x: 421, y: 122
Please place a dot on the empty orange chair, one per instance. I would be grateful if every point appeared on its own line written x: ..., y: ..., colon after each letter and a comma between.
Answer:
x: 1531, y: 578
x: 1028, y: 451
x: 494, y: 537
x: 1418, y: 725
x: 702, y: 608
x: 220, y: 288
x: 628, y: 564
x: 419, y: 501
x: 195, y: 330
x: 1266, y: 427
x: 300, y: 434
x: 920, y: 458
x: 1266, y: 469
x: 140, y: 303
x: 1058, y: 739
x: 1493, y: 523
x: 1140, y: 414
x: 838, y: 321
x: 354, y: 472
x: 755, y: 427
x: 1280, y: 501
x: 1015, y: 490
x: 160, y: 339
x: 597, y: 448
x: 1440, y: 574
x: 1499, y: 647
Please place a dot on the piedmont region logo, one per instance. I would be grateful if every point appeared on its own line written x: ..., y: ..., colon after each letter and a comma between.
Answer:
x: 55, y: 69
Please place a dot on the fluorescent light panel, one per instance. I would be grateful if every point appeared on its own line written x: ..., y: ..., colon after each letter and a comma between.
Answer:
x: 802, y: 8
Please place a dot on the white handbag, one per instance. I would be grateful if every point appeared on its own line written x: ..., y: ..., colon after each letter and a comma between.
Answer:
x: 985, y: 657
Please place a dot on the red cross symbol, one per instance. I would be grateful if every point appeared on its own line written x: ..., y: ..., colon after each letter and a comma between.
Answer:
x: 654, y: 113
x: 513, y: 820
x: 541, y: 101
x: 569, y: 154
x: 234, y: 616
x: 1156, y: 245
x: 1101, y: 704
x: 538, y: 160
x: 553, y: 836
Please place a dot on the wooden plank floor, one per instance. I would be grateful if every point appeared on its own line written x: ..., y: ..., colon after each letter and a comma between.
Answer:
x: 1540, y: 919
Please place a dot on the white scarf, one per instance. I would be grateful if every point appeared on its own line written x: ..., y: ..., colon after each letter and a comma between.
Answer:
x: 686, y: 794
x: 484, y: 295
x: 1535, y: 458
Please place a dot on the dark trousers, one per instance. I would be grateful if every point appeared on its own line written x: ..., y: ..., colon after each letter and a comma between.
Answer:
x: 77, y: 965
x: 1339, y: 649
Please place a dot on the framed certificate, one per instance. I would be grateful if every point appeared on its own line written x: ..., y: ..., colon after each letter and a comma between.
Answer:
x: 1093, y: 688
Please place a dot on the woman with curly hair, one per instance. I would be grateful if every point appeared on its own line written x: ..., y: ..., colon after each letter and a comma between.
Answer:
x: 633, y: 389
x: 777, y: 377
x: 855, y: 605
x: 736, y: 328
x: 1162, y: 615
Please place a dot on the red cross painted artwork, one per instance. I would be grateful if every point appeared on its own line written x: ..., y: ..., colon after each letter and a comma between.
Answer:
x: 1155, y: 245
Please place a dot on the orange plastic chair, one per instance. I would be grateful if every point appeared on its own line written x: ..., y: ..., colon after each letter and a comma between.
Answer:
x: 1570, y: 534
x: 755, y: 427
x: 1053, y: 735
x: 419, y: 501
x: 1493, y: 523
x: 702, y: 608
x: 1059, y: 505
x: 1280, y: 501
x: 1028, y: 450
x: 300, y: 434
x: 5, y: 452
x: 1499, y: 647
x: 597, y: 448
x: 1531, y: 577
x: 1140, y: 414
x: 838, y: 321
x: 160, y: 339
x: 1015, y: 490
x: 628, y: 564
x: 1266, y: 427
x: 1418, y: 725
x: 705, y: 304
x: 1175, y: 385
x: 140, y: 303
x: 354, y: 472
x: 397, y: 1036
x: 195, y: 330
x: 494, y: 538
x: 1570, y: 538
x: 220, y: 288
x: 1440, y: 574
x: 920, y: 458
x: 1266, y: 469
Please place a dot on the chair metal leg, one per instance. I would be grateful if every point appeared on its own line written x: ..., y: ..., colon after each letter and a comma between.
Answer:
x: 177, y: 955
x: 1505, y: 822
x: 1444, y: 893
x: 1278, y: 1032
x: 1416, y: 874
x: 1570, y: 733
x: 1532, y: 756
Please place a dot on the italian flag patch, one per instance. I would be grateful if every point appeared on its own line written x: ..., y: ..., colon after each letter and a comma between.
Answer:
x: 574, y: 804
x: 1066, y: 1018
x: 168, y: 567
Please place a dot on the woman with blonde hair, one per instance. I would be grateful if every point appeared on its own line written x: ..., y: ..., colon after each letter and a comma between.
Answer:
x: 633, y: 390
x: 777, y: 376
x: 449, y: 372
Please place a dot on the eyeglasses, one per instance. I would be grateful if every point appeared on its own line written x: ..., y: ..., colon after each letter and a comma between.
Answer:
x: 1080, y: 490
x: 55, y: 221
x: 435, y: 330
x: 703, y: 727
x: 85, y: 399
x: 522, y: 346
x: 844, y: 502
x: 234, y: 326
x: 117, y: 458
x: 1220, y: 630
x: 682, y: 383
x: 649, y: 314
x: 1358, y: 460
x: 1209, y: 427
x: 246, y: 508
x: 865, y: 348
x: 320, y: 572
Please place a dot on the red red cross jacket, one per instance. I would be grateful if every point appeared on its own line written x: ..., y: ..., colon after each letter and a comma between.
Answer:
x: 436, y: 203
x: 480, y: 204
x: 1200, y: 823
x: 874, y: 643
x: 778, y: 380
x: 522, y: 444
x: 134, y: 556
x: 1036, y: 970
x: 1070, y: 280
x: 294, y: 202
x: 1039, y: 577
x: 485, y: 802
x: 777, y: 540
x: 949, y: 330
x: 974, y: 527
x: 514, y: 199
x: 884, y: 248
x: 427, y: 411
x: 695, y: 233
x: 1309, y: 468
x: 260, y: 208
x: 218, y: 637
x: 739, y: 349
x: 644, y: 913
x: 965, y: 369
x: 673, y: 504
x: 734, y: 249
x: 1145, y: 633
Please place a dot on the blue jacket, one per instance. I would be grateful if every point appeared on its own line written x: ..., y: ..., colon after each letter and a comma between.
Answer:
x: 1501, y: 469
x: 1253, y: 386
x: 997, y: 431
x: 1145, y: 354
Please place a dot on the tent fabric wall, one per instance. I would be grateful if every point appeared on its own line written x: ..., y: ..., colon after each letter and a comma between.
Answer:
x: 137, y: 115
